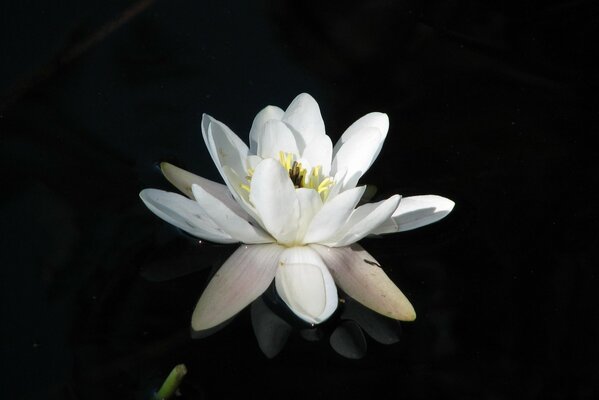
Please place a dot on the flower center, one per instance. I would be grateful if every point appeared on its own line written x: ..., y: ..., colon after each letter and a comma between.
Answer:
x: 300, y: 176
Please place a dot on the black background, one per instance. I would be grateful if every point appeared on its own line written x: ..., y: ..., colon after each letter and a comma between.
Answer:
x: 493, y: 106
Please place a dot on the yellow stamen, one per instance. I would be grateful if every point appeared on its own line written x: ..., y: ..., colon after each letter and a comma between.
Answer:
x: 245, y: 187
x: 324, y: 185
x: 300, y: 176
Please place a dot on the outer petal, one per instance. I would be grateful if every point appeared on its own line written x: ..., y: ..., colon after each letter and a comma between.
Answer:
x: 357, y: 154
x: 320, y: 152
x: 305, y: 284
x: 228, y: 221
x: 267, y: 113
x: 360, y: 276
x: 333, y: 216
x: 303, y: 115
x: 183, y: 180
x: 273, y: 195
x: 416, y: 211
x: 276, y: 137
x: 241, y: 279
x: 185, y: 214
x: 376, y: 120
x: 365, y: 219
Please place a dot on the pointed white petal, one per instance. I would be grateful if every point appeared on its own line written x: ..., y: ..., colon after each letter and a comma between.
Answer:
x: 360, y: 276
x: 320, y: 152
x: 337, y: 185
x: 273, y: 195
x: 365, y: 219
x: 357, y: 154
x: 266, y: 114
x: 416, y: 211
x: 333, y: 216
x: 242, y: 278
x: 185, y: 214
x: 376, y: 120
x: 303, y: 115
x: 242, y: 196
x: 309, y: 203
x: 252, y: 162
x: 305, y: 284
x: 227, y: 220
x: 276, y: 137
x: 224, y: 146
x: 183, y: 180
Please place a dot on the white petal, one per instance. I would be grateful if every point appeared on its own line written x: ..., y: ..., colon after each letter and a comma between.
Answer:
x: 320, y: 152
x: 267, y: 113
x: 273, y: 195
x: 309, y: 203
x: 185, y: 214
x: 253, y: 161
x: 242, y: 196
x: 276, y: 137
x: 227, y: 220
x: 303, y: 115
x: 360, y: 276
x: 242, y: 278
x: 333, y: 216
x: 373, y: 120
x: 224, y: 146
x: 305, y: 284
x: 337, y: 185
x: 357, y: 154
x: 183, y: 180
x: 365, y: 219
x: 416, y: 211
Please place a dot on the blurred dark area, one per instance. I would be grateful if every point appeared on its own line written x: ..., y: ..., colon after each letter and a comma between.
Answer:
x: 492, y: 105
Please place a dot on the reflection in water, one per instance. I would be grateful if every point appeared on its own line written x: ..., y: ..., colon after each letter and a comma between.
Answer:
x: 273, y: 324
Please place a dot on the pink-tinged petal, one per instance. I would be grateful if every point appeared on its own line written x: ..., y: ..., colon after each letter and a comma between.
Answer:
x: 303, y: 115
x: 228, y: 221
x: 306, y: 285
x: 266, y: 114
x: 242, y: 278
x: 185, y: 214
x: 360, y: 276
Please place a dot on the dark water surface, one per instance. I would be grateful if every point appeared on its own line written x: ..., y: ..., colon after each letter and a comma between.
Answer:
x: 492, y: 106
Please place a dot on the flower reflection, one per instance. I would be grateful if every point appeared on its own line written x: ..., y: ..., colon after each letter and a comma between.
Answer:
x: 292, y: 199
x: 346, y: 335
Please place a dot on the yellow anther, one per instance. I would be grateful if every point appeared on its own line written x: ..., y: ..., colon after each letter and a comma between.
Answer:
x: 324, y: 185
x: 316, y: 171
x: 244, y: 187
x: 300, y: 176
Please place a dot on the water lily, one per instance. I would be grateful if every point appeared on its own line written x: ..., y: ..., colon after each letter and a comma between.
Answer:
x: 291, y: 199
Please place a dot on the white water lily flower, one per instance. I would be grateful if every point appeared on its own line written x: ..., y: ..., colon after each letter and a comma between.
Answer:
x: 292, y: 200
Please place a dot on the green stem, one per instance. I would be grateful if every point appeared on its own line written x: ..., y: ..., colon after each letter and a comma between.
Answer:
x: 172, y: 382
